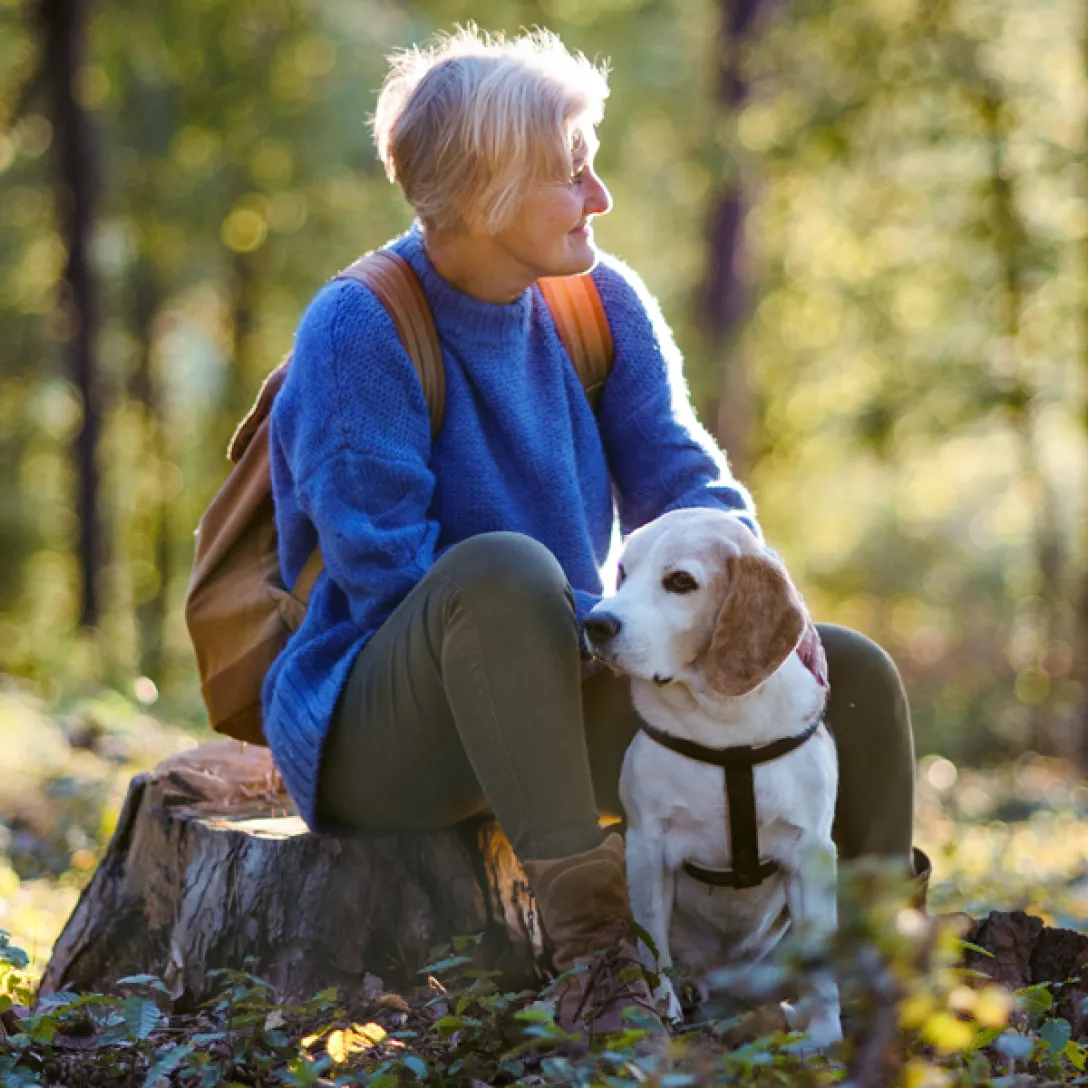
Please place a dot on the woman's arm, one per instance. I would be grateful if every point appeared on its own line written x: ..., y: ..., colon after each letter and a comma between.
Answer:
x: 660, y: 456
x: 352, y: 429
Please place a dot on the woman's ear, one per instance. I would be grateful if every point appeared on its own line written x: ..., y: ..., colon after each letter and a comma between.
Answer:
x: 759, y: 625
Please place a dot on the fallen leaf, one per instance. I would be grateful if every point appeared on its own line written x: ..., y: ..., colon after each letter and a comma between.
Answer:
x: 393, y: 1001
x: 338, y: 1046
x: 374, y: 1033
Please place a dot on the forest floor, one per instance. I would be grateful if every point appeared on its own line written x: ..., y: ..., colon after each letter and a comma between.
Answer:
x: 1007, y: 838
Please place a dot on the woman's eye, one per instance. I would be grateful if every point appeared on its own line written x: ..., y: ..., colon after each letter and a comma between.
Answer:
x: 679, y: 581
x: 579, y: 175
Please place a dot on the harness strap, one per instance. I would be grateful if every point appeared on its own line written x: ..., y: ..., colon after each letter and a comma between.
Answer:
x: 729, y: 878
x: 740, y: 796
x: 740, y: 755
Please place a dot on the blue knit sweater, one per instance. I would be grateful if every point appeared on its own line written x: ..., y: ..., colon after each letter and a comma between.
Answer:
x: 354, y: 467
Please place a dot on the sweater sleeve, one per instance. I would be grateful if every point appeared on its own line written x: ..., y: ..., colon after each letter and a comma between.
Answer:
x: 660, y: 456
x: 355, y: 427
x: 584, y: 603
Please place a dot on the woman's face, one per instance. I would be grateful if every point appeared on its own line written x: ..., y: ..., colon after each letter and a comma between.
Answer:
x: 552, y: 233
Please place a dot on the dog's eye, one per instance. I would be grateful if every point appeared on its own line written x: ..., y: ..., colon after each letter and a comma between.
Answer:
x: 621, y: 576
x: 679, y: 581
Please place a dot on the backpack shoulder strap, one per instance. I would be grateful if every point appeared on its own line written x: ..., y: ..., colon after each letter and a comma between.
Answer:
x: 578, y: 313
x: 391, y: 278
x: 398, y: 289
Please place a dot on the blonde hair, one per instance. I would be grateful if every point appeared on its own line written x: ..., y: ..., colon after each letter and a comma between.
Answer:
x: 464, y: 125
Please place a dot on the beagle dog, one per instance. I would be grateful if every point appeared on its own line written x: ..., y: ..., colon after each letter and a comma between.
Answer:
x: 729, y: 789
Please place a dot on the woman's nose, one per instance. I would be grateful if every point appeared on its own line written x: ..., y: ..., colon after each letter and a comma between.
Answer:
x: 598, y: 198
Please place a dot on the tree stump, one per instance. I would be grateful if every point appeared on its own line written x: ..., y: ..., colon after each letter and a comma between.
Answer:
x: 209, y: 867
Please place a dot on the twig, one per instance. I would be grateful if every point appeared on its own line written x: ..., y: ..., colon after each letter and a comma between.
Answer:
x: 869, y: 1069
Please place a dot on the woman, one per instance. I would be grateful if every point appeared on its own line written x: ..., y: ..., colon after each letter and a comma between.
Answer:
x: 437, y: 673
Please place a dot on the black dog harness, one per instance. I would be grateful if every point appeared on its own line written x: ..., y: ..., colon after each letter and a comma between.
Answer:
x: 740, y: 797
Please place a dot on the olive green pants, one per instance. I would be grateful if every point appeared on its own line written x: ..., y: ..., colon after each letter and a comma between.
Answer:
x: 470, y: 699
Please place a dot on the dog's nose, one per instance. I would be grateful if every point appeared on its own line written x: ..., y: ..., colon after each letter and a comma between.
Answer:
x: 602, y: 627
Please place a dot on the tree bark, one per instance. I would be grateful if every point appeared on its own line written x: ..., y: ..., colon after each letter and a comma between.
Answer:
x: 151, y: 611
x: 724, y: 303
x: 64, y: 28
x: 1081, y: 602
x: 1021, y: 400
x: 208, y: 868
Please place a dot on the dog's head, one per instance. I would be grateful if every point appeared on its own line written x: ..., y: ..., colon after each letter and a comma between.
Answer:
x: 699, y: 601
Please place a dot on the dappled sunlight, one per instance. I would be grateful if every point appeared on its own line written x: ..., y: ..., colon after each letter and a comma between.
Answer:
x: 865, y: 223
x: 66, y: 771
x: 1011, y: 838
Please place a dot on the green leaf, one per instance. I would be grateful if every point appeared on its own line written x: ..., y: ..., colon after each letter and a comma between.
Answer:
x: 1035, y: 1000
x: 646, y: 939
x: 1056, y: 1033
x: 171, y: 1060
x: 1014, y: 1045
x: 536, y: 1016
x: 152, y: 981
x: 416, y: 1066
x: 976, y: 948
x: 1077, y: 1055
x: 448, y: 1024
x: 985, y: 1037
x: 481, y: 973
x: 10, y: 953
x: 141, y: 1016
x: 14, y: 1076
x: 43, y: 1029
x: 445, y: 965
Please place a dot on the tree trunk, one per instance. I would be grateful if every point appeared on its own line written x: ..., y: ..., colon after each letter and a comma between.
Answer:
x: 151, y: 609
x: 245, y: 373
x: 1081, y: 602
x: 209, y: 869
x: 1012, y: 248
x: 725, y: 301
x: 64, y: 30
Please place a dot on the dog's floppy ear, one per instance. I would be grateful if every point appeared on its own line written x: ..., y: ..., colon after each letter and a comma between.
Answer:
x: 759, y: 625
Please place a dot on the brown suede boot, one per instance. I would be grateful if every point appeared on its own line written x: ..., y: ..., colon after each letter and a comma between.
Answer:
x: 584, y: 909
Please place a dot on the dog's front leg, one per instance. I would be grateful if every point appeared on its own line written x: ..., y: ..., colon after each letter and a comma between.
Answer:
x: 652, y: 888
x: 811, y: 897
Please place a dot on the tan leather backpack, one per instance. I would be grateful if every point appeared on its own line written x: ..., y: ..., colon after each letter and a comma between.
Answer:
x: 238, y: 611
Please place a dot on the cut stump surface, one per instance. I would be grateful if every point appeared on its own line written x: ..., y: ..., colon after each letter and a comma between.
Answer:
x: 211, y: 868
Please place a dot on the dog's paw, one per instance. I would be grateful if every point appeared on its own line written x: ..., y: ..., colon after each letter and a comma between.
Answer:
x: 825, y: 1031
x: 668, y: 1002
x: 823, y: 1026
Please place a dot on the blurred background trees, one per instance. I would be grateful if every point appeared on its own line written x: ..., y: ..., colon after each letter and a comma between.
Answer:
x: 867, y: 221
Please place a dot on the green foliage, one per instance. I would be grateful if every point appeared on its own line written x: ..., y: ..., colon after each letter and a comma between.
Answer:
x: 1010, y: 838
x: 141, y: 1016
x: 901, y: 982
x: 15, y: 981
